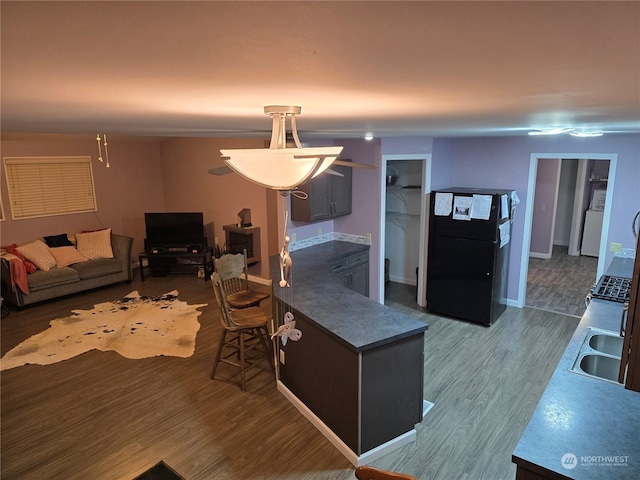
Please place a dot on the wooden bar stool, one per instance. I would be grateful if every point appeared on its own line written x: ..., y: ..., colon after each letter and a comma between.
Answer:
x: 234, y: 281
x: 242, y: 331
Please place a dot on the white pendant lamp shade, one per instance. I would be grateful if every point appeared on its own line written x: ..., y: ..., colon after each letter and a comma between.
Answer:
x: 279, y: 167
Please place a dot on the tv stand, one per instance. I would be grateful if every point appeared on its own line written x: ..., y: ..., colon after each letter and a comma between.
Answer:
x: 166, y: 262
x: 177, y: 250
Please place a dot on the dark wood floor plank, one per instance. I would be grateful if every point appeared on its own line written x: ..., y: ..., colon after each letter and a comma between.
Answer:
x: 102, y: 416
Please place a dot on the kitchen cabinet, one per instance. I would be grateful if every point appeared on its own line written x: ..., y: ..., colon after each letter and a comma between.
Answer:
x: 329, y: 196
x: 353, y: 271
x: 630, y: 364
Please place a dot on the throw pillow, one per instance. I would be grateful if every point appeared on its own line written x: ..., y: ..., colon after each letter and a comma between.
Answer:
x: 66, y: 256
x: 61, y: 240
x: 28, y: 266
x: 95, y: 244
x: 37, y: 253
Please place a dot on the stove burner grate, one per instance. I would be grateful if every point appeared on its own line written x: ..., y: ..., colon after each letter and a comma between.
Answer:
x: 611, y: 288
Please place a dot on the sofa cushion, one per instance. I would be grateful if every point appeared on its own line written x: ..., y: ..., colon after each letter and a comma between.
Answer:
x: 97, y: 267
x: 37, y: 253
x: 40, y: 279
x: 95, y: 244
x: 61, y: 240
x: 66, y: 256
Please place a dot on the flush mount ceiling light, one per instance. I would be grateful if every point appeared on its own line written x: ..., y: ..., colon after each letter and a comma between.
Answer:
x: 585, y: 134
x: 279, y: 167
x: 551, y: 131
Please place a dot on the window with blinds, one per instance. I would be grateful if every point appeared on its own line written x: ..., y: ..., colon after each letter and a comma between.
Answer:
x: 46, y: 186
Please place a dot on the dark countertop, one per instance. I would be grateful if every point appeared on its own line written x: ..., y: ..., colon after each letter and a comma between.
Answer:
x: 585, y: 416
x: 353, y: 319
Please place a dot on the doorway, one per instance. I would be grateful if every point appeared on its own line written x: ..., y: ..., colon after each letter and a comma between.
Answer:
x: 563, y: 260
x: 404, y: 210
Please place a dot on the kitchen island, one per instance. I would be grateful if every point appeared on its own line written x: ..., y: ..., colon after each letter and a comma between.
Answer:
x: 357, y: 371
x: 584, y: 427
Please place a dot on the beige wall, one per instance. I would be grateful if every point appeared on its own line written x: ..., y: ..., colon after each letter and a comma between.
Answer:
x: 188, y: 187
x: 124, y: 192
x: 151, y: 175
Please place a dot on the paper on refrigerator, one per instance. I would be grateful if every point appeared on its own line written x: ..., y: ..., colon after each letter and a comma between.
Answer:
x: 505, y: 233
x: 481, y: 207
x: 443, y: 203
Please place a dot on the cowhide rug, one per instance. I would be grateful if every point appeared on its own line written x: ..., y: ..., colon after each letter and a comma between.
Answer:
x: 135, y: 327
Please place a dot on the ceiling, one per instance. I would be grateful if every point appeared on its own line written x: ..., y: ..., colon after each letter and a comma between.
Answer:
x: 440, y: 68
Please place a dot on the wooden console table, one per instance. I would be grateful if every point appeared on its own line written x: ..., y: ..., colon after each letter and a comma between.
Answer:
x: 202, y: 259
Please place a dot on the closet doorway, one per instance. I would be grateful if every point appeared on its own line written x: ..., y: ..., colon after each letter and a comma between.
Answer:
x: 404, y: 226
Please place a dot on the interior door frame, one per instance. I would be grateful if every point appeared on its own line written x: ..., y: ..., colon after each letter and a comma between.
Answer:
x: 425, y: 189
x: 578, y: 199
x: 528, y: 216
x: 556, y: 190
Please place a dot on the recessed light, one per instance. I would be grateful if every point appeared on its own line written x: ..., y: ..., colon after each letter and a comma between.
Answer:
x: 368, y: 136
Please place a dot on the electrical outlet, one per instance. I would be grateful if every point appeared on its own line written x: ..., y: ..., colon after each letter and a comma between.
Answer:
x: 319, y: 231
x: 615, y: 247
x: 368, y: 238
x: 282, y: 357
x: 293, y: 237
x: 216, y: 241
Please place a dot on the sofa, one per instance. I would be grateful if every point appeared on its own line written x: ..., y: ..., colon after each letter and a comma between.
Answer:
x: 91, y: 266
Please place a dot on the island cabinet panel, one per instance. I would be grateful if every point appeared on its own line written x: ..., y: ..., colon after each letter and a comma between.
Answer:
x: 391, y: 397
x: 357, y: 370
x: 366, y: 398
x: 323, y: 374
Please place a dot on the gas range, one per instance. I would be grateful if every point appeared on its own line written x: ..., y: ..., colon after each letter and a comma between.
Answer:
x: 615, y: 289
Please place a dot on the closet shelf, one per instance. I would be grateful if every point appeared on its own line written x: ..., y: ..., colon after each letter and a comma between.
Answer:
x: 400, y: 191
x: 403, y: 220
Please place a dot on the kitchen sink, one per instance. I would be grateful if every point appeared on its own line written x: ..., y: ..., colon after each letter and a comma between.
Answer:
x: 606, y: 343
x: 599, y: 355
x: 600, y: 366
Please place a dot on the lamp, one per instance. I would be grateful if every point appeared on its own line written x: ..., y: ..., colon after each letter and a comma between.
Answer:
x: 279, y: 167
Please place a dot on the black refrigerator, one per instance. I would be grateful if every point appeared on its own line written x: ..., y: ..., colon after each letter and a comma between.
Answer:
x: 468, y: 253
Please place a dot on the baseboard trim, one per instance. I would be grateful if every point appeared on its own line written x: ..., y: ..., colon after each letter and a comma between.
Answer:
x: 354, y: 458
x: 544, y: 256
x: 404, y: 281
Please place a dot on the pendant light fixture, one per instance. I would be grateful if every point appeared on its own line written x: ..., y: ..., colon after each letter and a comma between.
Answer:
x: 279, y: 167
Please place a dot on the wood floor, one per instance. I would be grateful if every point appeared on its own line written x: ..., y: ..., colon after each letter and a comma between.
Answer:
x: 560, y: 283
x: 100, y: 416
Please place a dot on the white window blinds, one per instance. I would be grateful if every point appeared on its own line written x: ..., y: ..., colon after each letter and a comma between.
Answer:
x: 46, y: 186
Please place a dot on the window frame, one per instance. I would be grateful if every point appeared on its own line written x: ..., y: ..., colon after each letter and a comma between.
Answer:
x: 49, y: 167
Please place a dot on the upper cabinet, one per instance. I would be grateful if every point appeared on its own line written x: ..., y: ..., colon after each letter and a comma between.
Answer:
x: 329, y: 196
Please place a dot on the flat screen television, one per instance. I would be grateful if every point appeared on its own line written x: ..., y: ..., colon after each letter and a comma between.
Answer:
x: 175, y: 229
